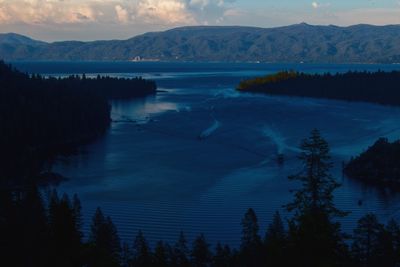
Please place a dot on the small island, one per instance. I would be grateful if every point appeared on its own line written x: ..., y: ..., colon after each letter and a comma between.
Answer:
x: 374, y: 87
x: 378, y: 165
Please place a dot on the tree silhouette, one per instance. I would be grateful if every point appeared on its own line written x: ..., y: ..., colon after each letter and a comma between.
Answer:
x: 141, y: 252
x: 251, y: 242
x: 367, y: 241
x: 65, y: 236
x: 317, y: 238
x: 275, y: 242
x: 181, y: 252
x: 106, y: 247
x: 222, y: 256
x: 161, y: 255
x: 201, y: 255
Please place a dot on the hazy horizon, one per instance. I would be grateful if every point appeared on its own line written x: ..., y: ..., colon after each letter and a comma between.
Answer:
x: 189, y: 26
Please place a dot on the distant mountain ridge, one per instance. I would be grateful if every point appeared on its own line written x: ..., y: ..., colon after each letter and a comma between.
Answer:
x: 292, y: 44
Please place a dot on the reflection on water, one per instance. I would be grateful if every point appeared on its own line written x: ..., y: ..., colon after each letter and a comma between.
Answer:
x: 140, y: 110
x: 151, y: 171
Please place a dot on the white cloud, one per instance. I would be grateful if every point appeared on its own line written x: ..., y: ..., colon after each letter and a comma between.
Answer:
x: 164, y: 11
x: 46, y: 11
x: 122, y: 14
x: 105, y: 18
x: 315, y: 5
x: 169, y: 12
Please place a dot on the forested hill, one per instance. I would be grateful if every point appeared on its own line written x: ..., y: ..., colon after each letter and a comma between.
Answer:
x: 295, y: 43
x: 379, y: 164
x: 375, y: 87
x: 40, y: 117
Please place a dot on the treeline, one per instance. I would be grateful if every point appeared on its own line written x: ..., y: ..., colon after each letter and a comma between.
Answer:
x: 41, y: 117
x: 375, y: 87
x: 38, y: 234
x: 379, y: 164
x: 34, y: 234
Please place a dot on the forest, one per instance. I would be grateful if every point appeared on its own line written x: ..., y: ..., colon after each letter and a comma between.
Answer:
x: 40, y: 228
x: 44, y: 117
x: 375, y: 87
x: 379, y: 164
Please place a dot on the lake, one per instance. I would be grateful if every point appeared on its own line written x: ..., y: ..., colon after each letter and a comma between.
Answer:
x: 197, y: 155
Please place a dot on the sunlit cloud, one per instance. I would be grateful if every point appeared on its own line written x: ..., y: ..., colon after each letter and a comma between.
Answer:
x: 117, y: 11
x: 164, y: 11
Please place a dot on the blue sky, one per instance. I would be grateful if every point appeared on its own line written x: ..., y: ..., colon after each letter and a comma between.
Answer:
x: 53, y: 20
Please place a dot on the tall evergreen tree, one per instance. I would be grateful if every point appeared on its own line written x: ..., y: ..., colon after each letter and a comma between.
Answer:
x: 106, y: 246
x: 251, y: 244
x: 367, y: 245
x: 181, y: 252
x: 201, y: 255
x: 126, y: 255
x: 275, y: 242
x: 65, y: 236
x: 392, y: 243
x: 315, y: 235
x: 161, y: 255
x: 141, y: 252
x: 77, y: 214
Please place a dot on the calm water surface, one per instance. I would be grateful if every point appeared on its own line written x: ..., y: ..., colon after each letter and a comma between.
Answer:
x: 198, y: 155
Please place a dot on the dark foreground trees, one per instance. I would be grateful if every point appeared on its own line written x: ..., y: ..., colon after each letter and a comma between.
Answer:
x: 314, y: 231
x: 36, y: 231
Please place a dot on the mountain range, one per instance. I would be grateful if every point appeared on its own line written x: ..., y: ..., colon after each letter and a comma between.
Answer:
x: 290, y: 44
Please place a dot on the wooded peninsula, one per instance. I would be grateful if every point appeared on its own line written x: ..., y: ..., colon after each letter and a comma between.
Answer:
x: 42, y: 117
x: 374, y: 87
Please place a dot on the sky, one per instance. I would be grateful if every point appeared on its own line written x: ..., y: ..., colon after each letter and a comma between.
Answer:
x: 56, y: 20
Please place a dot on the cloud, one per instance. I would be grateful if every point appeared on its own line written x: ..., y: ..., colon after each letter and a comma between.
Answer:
x: 122, y: 14
x: 168, y: 12
x: 45, y: 11
x: 164, y: 11
x: 317, y: 5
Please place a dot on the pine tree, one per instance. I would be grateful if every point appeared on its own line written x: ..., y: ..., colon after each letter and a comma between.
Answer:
x: 126, y: 255
x: 222, y: 257
x: 392, y: 247
x: 160, y: 255
x: 106, y: 246
x: 32, y: 230
x: 201, y: 255
x: 315, y: 235
x: 275, y: 242
x: 65, y: 237
x: 367, y: 237
x: 251, y: 244
x: 316, y: 192
x: 181, y: 252
x: 77, y: 214
x: 141, y: 252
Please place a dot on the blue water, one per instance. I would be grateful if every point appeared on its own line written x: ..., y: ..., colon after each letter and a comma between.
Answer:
x: 198, y: 154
